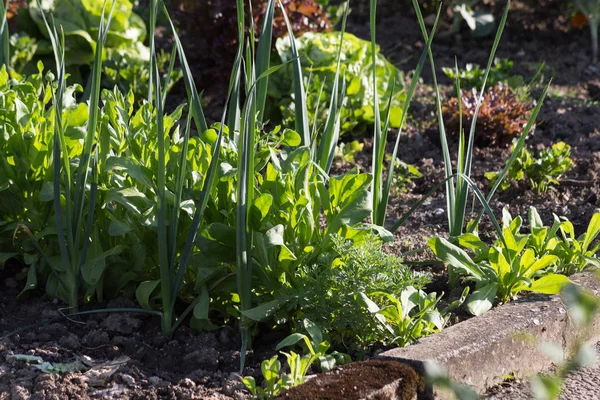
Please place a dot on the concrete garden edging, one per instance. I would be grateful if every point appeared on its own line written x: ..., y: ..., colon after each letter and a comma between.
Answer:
x: 480, y: 351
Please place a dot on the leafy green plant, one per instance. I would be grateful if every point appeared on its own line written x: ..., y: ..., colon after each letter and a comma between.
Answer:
x: 541, y: 172
x: 574, y: 253
x: 480, y: 23
x: 405, y: 175
x: 328, y: 292
x: 24, y: 48
x: 500, y: 271
x: 274, y: 381
x: 319, y: 52
x: 500, y: 118
x: 316, y: 346
x: 405, y: 318
x: 591, y: 10
x: 316, y: 352
x: 347, y: 151
x: 80, y: 20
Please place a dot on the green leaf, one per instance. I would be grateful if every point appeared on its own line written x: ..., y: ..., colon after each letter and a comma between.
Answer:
x: 592, y: 231
x: 264, y: 311
x: 455, y: 257
x: 201, y: 308
x: 535, y: 221
x: 144, y: 292
x: 548, y: 284
x: 482, y: 300
x: 118, y: 228
x: 133, y: 168
x: 290, y: 340
x: 313, y: 330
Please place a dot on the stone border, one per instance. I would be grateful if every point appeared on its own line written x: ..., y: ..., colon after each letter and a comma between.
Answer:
x: 483, y: 350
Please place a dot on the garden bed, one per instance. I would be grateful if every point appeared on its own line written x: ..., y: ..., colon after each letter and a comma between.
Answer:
x: 125, y: 355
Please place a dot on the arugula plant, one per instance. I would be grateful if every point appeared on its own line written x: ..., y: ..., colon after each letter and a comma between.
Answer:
x: 542, y: 172
x: 574, y: 253
x: 500, y: 271
x: 25, y: 154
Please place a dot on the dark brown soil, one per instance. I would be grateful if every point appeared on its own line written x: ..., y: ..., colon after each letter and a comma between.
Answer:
x: 119, y: 356
x: 359, y: 380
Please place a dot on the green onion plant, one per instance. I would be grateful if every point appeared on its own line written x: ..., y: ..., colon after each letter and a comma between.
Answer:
x: 73, y: 236
x: 591, y: 10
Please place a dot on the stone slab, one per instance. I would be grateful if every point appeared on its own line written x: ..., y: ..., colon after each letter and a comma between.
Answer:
x: 483, y: 350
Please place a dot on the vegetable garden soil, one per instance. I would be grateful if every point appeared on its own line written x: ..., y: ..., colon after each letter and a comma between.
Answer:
x: 126, y: 356
x: 115, y: 356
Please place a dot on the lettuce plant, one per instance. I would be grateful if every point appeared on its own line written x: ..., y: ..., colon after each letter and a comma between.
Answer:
x: 80, y: 20
x: 319, y: 52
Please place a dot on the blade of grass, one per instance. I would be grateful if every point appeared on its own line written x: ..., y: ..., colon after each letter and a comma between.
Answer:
x: 245, y: 198
x: 263, y: 58
x: 4, y: 36
x: 161, y: 207
x: 376, y: 187
x: 450, y: 188
x: 65, y: 236
x: 405, y: 108
x: 462, y: 190
x: 151, y: 29
x: 190, y: 87
x: 330, y: 133
x: 302, y: 120
x: 92, y: 126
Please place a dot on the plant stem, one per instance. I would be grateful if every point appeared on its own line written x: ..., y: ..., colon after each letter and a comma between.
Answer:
x: 594, y: 33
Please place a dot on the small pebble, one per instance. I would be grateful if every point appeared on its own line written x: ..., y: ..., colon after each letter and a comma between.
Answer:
x: 128, y: 379
x: 154, y: 380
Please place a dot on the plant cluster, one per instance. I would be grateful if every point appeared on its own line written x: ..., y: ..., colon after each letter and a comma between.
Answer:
x: 542, y: 172
x: 125, y: 55
x: 333, y: 294
x: 536, y: 261
x: 315, y: 350
x: 501, y: 117
x: 319, y: 52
